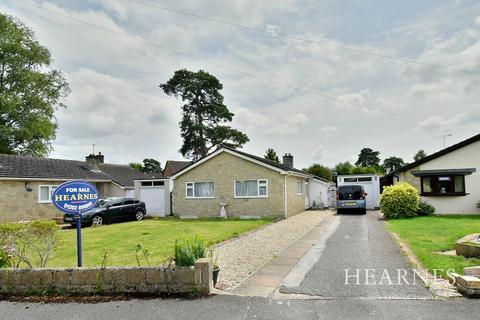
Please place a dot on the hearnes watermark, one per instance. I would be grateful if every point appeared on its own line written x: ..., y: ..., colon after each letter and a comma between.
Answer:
x: 395, y: 277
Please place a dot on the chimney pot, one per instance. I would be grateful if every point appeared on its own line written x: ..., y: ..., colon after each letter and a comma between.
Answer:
x: 93, y: 161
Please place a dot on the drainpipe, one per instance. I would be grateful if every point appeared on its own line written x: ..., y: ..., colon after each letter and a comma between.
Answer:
x: 285, y: 197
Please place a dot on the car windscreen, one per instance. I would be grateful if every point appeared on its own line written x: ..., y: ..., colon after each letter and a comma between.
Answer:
x: 350, y: 193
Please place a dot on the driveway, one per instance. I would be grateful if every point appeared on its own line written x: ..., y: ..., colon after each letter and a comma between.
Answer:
x: 356, y: 259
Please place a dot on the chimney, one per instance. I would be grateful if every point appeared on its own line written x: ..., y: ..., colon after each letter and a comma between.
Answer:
x: 93, y: 160
x: 288, y: 160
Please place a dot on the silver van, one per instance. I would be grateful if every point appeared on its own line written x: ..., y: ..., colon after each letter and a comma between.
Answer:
x: 351, y: 198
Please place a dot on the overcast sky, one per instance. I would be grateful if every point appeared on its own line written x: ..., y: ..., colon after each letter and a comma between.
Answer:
x: 275, y: 85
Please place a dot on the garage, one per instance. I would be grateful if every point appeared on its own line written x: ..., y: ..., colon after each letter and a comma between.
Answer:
x: 155, y: 194
x: 371, y: 184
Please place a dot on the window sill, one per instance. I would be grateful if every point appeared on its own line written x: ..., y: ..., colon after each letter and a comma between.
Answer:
x: 195, y: 198
x: 443, y: 194
x: 252, y: 197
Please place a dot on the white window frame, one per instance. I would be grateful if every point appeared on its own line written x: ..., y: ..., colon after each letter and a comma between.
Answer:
x: 302, y: 188
x: 250, y: 197
x: 51, y: 188
x: 193, y: 188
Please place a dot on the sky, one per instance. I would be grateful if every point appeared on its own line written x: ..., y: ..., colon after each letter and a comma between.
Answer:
x: 305, y: 79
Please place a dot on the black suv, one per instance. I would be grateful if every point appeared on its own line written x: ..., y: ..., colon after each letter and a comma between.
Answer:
x: 110, y: 210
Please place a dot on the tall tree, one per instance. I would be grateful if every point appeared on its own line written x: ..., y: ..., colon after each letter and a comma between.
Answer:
x: 271, y: 154
x: 151, y: 166
x: 419, y: 155
x: 30, y: 91
x: 368, y: 158
x: 205, y: 116
x: 392, y: 163
x: 319, y: 170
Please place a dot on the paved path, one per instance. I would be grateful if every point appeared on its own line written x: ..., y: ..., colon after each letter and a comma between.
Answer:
x: 361, y: 244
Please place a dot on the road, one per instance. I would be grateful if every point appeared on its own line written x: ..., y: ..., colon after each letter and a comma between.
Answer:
x: 316, y: 289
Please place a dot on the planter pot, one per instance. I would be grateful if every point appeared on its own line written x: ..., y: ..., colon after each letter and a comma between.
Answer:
x: 216, y: 271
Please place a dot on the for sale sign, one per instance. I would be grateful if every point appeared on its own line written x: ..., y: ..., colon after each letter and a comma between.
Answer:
x: 75, y: 197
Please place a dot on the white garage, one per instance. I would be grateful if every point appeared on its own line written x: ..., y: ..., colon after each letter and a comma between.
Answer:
x: 371, y: 184
x: 156, y: 195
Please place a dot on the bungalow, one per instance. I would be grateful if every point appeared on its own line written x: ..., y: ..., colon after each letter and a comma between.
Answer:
x: 26, y: 183
x: 447, y: 179
x: 242, y: 184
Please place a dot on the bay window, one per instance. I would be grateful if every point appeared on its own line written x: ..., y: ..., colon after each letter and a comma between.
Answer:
x: 251, y: 188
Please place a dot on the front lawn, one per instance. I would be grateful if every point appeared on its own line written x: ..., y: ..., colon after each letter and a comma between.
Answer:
x: 427, y: 236
x: 156, y: 235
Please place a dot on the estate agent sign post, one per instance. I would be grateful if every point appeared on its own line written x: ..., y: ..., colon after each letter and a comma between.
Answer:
x: 76, y: 197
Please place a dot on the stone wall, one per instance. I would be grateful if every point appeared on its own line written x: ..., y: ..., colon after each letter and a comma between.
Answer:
x: 224, y: 169
x: 195, y: 280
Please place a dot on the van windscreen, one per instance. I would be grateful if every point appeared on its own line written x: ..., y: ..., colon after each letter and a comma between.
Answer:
x: 350, y: 193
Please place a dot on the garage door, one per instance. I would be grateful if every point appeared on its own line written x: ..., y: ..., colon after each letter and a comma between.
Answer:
x: 370, y: 195
x: 154, y: 198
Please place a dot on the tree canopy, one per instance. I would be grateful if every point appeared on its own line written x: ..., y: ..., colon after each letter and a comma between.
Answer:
x: 419, y: 155
x: 320, y: 170
x: 149, y: 166
x: 30, y: 91
x: 271, y: 154
x: 368, y: 158
x: 205, y: 116
x: 392, y: 163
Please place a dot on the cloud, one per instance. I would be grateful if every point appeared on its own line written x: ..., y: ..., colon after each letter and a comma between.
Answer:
x: 321, y: 154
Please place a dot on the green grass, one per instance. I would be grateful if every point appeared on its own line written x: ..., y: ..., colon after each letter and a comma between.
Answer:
x: 156, y: 235
x: 427, y: 236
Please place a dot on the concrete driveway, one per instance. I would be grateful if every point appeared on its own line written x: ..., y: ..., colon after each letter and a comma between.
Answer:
x: 356, y: 258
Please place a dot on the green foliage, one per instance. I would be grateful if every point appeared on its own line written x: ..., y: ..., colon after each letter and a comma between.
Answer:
x: 399, y: 201
x: 392, y: 163
x: 27, y: 242
x: 136, y: 166
x: 344, y: 168
x: 30, y: 91
x: 425, y: 209
x: 419, y: 155
x: 320, y: 170
x: 205, y: 116
x: 5, y: 259
x: 141, y: 251
x: 478, y: 204
x: 271, y: 154
x: 151, y: 166
x: 368, y: 158
x: 188, y: 251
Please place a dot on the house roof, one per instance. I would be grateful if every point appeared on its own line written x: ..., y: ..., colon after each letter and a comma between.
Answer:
x: 266, y: 162
x: 176, y: 166
x: 438, y: 154
x: 24, y: 167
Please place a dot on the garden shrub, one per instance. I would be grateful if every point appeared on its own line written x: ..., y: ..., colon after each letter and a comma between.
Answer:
x: 425, y: 209
x: 188, y: 251
x: 5, y: 260
x: 30, y: 243
x: 399, y: 201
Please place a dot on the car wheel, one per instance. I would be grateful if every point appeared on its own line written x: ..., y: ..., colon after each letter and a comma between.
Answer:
x: 339, y: 211
x: 139, y: 215
x: 97, y: 221
x: 364, y: 211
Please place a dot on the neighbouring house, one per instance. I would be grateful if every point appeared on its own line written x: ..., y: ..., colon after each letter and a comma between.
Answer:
x: 173, y: 166
x: 448, y: 179
x: 244, y: 184
x: 370, y: 183
x: 26, y: 183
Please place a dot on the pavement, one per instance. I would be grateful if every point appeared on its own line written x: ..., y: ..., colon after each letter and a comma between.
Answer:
x: 306, y: 281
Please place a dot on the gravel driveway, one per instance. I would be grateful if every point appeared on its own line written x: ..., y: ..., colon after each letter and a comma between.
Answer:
x: 241, y: 257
